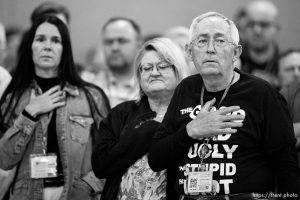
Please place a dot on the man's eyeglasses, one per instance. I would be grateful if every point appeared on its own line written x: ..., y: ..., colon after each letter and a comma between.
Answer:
x: 162, y: 67
x: 217, y: 43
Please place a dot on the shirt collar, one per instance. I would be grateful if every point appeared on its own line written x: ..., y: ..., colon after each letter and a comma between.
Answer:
x: 112, y: 80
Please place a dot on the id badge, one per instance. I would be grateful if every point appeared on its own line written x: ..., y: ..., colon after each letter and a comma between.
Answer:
x: 199, y: 182
x: 43, y: 166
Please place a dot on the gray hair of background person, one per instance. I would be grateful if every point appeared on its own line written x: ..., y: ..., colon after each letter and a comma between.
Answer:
x: 50, y: 7
x: 234, y: 33
x: 168, y: 51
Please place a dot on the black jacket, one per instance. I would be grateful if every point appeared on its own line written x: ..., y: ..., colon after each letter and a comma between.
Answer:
x: 124, y: 137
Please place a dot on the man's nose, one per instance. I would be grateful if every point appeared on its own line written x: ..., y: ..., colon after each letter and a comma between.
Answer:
x: 297, y: 72
x: 211, y: 46
x: 115, y: 45
x: 257, y: 28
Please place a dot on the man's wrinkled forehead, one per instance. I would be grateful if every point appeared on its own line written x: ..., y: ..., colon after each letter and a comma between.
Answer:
x: 218, y: 23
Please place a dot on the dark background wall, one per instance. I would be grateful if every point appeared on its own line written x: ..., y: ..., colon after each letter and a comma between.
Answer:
x: 88, y: 16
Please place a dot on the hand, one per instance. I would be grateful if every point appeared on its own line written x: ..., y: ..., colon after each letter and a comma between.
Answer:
x: 46, y: 102
x: 210, y: 123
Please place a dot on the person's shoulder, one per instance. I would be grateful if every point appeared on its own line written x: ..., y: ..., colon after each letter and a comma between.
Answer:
x: 127, y: 106
x: 291, y: 90
x: 255, y: 83
x: 94, y: 89
x: 100, y: 78
x: 192, y: 79
x: 97, y: 93
x: 294, y: 87
x: 190, y: 82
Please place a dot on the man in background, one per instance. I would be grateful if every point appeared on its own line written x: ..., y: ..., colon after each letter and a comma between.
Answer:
x: 121, y: 41
x: 4, y: 75
x: 5, y: 176
x: 260, y: 51
x: 289, y: 79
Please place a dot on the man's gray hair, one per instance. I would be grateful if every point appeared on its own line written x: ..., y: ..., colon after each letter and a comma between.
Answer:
x: 234, y: 33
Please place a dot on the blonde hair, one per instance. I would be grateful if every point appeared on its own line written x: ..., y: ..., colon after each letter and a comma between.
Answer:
x: 167, y: 50
x: 234, y: 33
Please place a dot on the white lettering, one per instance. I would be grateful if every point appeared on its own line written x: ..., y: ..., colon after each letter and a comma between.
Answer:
x: 226, y: 183
x: 239, y: 112
x: 222, y: 171
x: 230, y: 169
x: 195, y: 112
x: 230, y: 151
x: 216, y: 153
x: 186, y: 110
x: 223, y: 137
x: 214, y: 167
x: 193, y: 151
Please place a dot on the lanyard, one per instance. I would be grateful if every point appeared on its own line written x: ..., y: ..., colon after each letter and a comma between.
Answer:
x: 204, y: 150
x: 223, y: 96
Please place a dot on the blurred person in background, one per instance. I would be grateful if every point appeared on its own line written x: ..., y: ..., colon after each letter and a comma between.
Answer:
x: 51, y: 7
x: 13, y: 37
x: 240, y: 20
x: 260, y: 51
x: 41, y: 122
x: 289, y: 67
x: 289, y: 79
x: 95, y: 65
x: 180, y: 35
x: 5, y: 76
x: 120, y: 153
x: 2, y: 43
x: 121, y: 39
x: 292, y: 95
x: 95, y: 60
x: 150, y: 36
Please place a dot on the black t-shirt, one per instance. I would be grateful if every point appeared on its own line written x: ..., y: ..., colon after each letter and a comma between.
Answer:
x: 247, y: 161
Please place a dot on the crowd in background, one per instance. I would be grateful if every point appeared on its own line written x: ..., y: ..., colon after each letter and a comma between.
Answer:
x: 117, y: 70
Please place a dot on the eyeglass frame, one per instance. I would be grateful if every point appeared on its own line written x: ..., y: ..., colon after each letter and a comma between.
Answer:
x: 193, y: 42
x: 159, y: 69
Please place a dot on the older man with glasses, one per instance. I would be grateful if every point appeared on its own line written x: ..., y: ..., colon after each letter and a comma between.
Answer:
x: 226, y: 134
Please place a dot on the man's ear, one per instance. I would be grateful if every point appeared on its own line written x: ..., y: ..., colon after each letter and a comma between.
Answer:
x: 237, y: 52
x: 188, y: 50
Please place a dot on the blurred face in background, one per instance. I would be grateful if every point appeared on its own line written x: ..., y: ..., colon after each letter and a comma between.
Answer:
x: 47, y: 50
x: 2, y: 43
x: 120, y: 45
x: 289, y: 69
x: 260, y: 26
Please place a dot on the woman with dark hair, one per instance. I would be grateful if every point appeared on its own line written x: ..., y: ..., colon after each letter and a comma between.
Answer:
x: 48, y: 119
